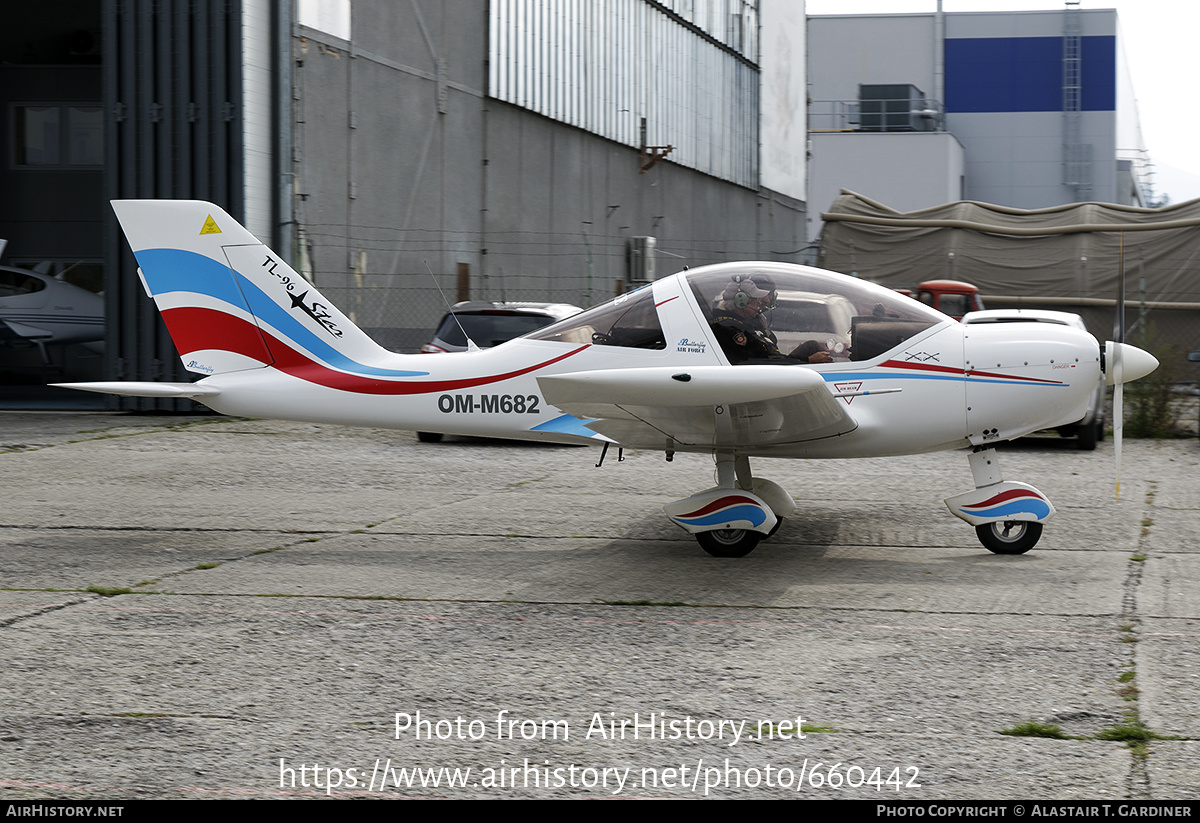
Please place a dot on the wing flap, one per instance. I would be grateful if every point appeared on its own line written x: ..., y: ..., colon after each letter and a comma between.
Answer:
x: 744, y: 407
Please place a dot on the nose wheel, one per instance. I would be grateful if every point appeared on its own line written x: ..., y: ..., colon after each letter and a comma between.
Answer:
x: 1009, y: 536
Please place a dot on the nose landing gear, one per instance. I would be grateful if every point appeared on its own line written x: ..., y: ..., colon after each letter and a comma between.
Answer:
x: 1007, y: 516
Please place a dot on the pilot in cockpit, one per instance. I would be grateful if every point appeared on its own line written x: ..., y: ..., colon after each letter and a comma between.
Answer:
x: 741, y: 325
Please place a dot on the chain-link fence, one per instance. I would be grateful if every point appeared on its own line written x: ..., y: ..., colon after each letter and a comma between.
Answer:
x: 397, y: 288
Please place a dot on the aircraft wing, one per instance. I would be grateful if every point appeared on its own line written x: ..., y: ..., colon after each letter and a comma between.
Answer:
x: 706, y: 406
x: 13, y: 330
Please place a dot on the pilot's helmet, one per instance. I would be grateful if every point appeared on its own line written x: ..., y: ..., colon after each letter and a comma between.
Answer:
x: 743, y: 288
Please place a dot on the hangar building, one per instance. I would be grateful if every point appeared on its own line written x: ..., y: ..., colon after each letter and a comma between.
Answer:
x: 516, y: 148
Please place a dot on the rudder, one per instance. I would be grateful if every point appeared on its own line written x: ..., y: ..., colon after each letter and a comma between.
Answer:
x: 229, y: 302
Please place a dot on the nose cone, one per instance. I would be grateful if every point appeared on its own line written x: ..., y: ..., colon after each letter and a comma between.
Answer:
x: 1124, y: 363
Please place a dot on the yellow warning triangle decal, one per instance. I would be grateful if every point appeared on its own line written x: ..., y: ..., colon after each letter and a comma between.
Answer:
x: 210, y: 226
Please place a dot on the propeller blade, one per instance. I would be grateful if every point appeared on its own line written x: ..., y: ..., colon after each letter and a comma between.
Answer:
x: 1117, y: 363
x: 1123, y: 364
x: 1118, y: 428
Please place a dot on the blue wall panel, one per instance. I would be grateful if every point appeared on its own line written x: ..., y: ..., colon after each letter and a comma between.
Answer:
x: 997, y: 74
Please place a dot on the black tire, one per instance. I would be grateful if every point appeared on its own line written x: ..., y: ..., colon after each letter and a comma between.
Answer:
x: 430, y: 437
x: 1009, y: 536
x: 775, y: 528
x: 1086, y: 437
x: 728, y: 542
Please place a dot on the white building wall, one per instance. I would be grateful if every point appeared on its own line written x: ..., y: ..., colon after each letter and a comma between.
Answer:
x: 783, y: 163
x: 845, y: 50
x: 1092, y: 22
x: 904, y: 170
x: 1015, y: 158
x: 258, y: 134
x: 1012, y: 157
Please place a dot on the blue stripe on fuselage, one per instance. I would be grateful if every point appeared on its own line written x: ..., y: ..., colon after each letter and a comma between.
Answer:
x: 177, y: 270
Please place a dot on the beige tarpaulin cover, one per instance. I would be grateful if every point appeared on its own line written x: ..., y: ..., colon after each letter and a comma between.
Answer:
x: 1064, y: 251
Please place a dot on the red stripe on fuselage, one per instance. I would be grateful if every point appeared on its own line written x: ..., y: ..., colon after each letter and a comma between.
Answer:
x: 299, y: 365
x: 202, y: 328
x: 195, y: 329
x: 896, y: 364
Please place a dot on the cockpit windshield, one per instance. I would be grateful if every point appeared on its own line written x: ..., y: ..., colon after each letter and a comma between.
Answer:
x: 630, y: 321
x: 777, y: 312
x: 763, y: 313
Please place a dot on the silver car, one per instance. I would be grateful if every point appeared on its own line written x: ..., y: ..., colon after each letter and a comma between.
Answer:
x: 1089, y: 429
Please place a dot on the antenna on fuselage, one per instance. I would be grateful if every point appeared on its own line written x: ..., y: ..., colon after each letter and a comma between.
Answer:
x: 450, y: 309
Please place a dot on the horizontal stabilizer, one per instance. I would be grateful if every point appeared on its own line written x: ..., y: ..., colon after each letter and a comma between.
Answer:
x: 133, y: 388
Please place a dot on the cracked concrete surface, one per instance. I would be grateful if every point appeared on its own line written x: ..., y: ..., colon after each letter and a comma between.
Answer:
x: 211, y: 607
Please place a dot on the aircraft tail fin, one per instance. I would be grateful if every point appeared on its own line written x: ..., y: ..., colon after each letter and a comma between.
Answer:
x: 229, y: 302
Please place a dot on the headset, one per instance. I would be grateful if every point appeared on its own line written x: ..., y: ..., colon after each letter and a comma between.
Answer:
x: 741, y: 298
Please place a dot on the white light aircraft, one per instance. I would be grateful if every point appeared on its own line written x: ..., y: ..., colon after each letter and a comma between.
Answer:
x: 736, y: 360
x: 40, y: 310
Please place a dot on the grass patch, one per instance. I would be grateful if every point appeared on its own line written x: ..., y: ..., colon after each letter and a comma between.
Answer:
x: 786, y: 731
x: 1138, y: 558
x: 1128, y: 692
x: 1125, y: 677
x: 1128, y: 733
x: 1134, y: 735
x: 108, y: 591
x: 1032, y: 729
x: 203, y: 566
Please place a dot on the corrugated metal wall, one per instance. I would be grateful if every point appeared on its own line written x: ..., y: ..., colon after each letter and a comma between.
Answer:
x: 173, y: 98
x: 607, y: 66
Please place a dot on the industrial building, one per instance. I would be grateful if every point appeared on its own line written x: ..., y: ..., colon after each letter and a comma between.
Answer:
x: 1021, y: 109
x: 518, y: 149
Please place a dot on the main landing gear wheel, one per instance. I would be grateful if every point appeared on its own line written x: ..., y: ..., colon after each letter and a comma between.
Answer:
x: 1009, y: 536
x: 728, y: 542
x: 429, y: 437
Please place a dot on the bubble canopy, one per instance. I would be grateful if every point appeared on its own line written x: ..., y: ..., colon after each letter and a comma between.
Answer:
x: 792, y: 307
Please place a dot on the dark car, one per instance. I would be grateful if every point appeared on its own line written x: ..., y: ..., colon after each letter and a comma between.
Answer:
x: 487, y: 325
x: 490, y: 324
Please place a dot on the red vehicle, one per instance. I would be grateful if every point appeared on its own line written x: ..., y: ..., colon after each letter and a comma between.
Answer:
x: 952, y: 297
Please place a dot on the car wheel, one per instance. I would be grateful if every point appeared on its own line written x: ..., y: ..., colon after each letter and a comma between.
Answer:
x: 1086, y: 436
